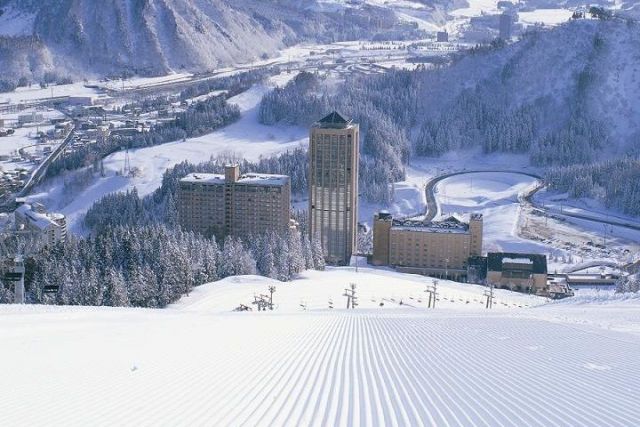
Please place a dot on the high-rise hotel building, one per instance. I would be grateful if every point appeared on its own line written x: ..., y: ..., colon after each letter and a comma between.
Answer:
x: 234, y: 204
x: 333, y: 186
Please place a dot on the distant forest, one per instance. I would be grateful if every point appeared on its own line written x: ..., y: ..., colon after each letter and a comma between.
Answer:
x: 616, y: 183
x: 404, y: 114
x: 154, y: 265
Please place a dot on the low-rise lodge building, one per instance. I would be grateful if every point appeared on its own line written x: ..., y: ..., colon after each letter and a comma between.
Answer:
x: 517, y: 271
x: 437, y: 248
x: 598, y: 281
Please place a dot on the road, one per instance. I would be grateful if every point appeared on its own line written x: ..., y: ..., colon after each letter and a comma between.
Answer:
x: 41, y: 170
x: 526, y: 199
x: 37, y: 174
x: 432, y: 207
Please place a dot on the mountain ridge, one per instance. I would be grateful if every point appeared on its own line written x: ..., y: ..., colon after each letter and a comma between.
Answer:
x: 154, y: 37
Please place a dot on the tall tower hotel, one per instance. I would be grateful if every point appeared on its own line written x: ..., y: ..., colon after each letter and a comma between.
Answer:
x: 333, y: 186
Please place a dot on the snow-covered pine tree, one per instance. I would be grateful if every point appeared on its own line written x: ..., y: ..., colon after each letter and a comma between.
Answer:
x: 115, y: 289
x: 318, y: 255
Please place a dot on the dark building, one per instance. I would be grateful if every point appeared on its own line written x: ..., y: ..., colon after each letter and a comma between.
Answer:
x: 506, y: 26
x: 442, y: 36
x: 517, y: 271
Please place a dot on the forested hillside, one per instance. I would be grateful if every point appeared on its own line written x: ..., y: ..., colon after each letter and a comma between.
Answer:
x: 564, y: 96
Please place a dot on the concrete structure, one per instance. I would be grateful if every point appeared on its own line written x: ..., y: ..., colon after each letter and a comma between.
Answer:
x: 442, y: 36
x: 506, y: 26
x: 440, y: 248
x: 83, y: 101
x: 33, y: 117
x: 234, y: 204
x: 517, y: 271
x: 52, y: 227
x: 333, y: 186
x: 590, y: 281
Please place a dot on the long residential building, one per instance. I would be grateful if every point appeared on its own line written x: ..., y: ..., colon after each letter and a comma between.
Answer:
x: 234, y: 204
x: 33, y: 218
x: 440, y: 248
x: 333, y: 186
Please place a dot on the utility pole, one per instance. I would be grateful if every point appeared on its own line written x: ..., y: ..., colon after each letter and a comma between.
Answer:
x: 272, y: 289
x: 352, y: 300
x: 489, y: 295
x: 428, y: 290
x: 434, y: 290
x: 127, y: 164
x: 433, y: 293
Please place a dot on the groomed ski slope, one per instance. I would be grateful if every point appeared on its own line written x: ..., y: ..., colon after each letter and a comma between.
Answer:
x: 197, y: 363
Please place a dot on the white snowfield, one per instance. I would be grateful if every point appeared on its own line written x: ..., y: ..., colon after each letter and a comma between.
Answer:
x: 198, y: 363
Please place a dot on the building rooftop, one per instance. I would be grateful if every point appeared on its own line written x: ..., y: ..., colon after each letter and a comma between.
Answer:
x: 448, y: 225
x: 41, y: 220
x: 517, y: 261
x: 334, y: 121
x: 246, y: 179
x: 495, y: 261
x: 590, y: 277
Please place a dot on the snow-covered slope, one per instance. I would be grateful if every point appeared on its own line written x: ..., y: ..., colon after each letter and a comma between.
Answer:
x: 80, y: 37
x: 586, y: 66
x: 196, y: 363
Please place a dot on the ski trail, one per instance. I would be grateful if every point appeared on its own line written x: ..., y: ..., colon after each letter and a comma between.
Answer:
x: 398, y: 367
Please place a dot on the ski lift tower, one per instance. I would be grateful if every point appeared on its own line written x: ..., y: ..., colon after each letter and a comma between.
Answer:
x: 15, y: 275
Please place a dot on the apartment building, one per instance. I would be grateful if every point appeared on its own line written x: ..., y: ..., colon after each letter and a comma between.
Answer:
x: 333, y: 186
x: 234, y: 204
x: 440, y: 248
x: 52, y: 227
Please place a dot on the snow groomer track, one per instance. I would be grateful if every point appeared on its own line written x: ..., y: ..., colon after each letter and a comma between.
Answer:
x: 85, y: 366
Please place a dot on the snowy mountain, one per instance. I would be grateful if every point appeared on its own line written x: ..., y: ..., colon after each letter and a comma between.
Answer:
x: 75, y: 37
x: 582, y: 71
x: 565, y: 95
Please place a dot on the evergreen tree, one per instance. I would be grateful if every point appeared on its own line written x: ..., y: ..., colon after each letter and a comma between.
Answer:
x: 115, y: 289
x: 318, y: 255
